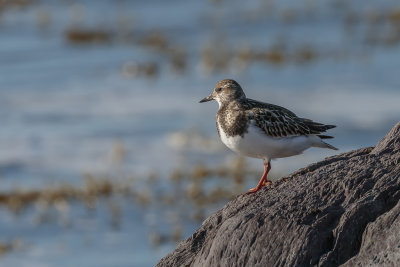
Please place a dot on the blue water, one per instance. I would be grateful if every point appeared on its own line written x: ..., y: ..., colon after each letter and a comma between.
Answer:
x: 66, y: 108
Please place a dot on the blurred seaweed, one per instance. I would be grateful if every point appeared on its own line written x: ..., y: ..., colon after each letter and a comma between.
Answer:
x: 378, y: 27
x: 82, y: 36
x: 188, y: 194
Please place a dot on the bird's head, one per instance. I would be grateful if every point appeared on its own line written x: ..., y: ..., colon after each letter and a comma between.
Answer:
x: 225, y: 91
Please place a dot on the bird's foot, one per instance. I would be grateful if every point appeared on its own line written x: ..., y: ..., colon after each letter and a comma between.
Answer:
x: 259, y: 186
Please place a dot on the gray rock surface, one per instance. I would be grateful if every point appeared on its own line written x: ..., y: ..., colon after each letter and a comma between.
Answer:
x: 342, y: 210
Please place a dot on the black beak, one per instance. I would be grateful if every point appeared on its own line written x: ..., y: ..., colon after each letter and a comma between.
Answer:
x: 206, y: 99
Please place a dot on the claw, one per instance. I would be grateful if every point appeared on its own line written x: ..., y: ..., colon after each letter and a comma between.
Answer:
x: 267, y: 183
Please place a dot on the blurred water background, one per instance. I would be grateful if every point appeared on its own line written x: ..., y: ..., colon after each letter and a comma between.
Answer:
x: 106, y: 157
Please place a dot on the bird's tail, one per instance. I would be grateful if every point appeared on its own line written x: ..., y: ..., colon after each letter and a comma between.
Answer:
x: 329, y: 146
x: 322, y: 144
x: 324, y: 136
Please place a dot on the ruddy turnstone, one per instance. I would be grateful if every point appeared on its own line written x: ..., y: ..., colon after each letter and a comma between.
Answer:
x: 260, y: 130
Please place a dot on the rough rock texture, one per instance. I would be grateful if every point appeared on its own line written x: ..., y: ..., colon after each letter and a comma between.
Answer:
x: 343, y: 210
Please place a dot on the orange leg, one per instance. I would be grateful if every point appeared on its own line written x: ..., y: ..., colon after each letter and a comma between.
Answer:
x: 264, y: 180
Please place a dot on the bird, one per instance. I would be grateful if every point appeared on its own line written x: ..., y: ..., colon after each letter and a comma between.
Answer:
x: 260, y: 130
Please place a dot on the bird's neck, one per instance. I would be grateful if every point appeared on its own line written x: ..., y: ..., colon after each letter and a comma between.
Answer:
x: 230, y: 104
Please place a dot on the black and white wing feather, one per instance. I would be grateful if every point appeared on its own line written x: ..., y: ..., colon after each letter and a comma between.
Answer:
x: 277, y: 121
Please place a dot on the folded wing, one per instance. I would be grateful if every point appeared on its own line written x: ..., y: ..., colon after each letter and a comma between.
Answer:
x: 277, y: 121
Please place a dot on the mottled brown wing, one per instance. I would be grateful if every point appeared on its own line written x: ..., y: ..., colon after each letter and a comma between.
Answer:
x: 277, y: 121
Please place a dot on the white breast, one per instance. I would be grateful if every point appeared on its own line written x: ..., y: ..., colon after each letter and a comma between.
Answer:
x: 255, y: 143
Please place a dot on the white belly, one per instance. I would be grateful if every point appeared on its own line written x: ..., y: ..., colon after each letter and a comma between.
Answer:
x: 255, y: 143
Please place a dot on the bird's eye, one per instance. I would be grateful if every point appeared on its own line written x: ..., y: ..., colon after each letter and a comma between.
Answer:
x: 219, y: 89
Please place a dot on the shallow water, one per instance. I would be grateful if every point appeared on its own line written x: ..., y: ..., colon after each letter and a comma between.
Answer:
x: 127, y: 105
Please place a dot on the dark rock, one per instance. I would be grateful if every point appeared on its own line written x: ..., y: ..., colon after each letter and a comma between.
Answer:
x: 342, y: 210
